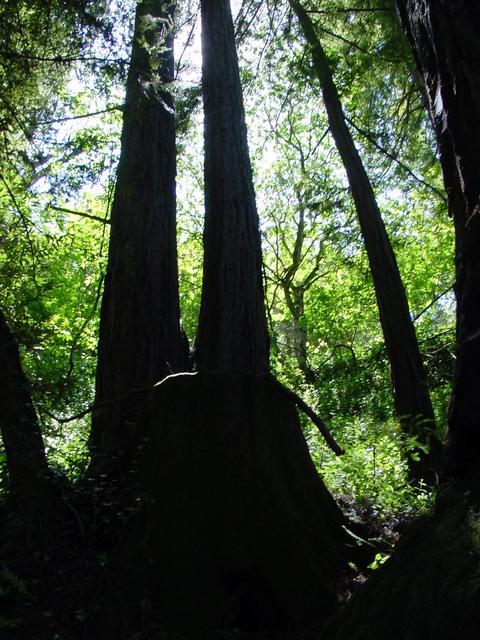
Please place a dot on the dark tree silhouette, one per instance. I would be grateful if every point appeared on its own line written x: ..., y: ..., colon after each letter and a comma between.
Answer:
x: 28, y: 472
x: 430, y: 587
x: 412, y: 400
x: 446, y: 42
x: 140, y: 336
x: 237, y: 529
x: 232, y: 330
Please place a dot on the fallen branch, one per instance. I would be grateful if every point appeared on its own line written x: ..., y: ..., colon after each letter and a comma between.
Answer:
x: 97, y: 405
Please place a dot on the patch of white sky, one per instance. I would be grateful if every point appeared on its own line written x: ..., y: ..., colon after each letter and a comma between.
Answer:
x: 188, y: 50
x: 88, y: 102
x: 90, y: 98
x: 188, y: 40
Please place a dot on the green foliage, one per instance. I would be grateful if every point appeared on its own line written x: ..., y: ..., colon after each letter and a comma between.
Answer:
x: 379, y: 560
x: 10, y: 580
x: 11, y: 586
x: 67, y: 448
x: 473, y: 523
x: 325, y: 334
x: 190, y: 228
x: 373, y: 470
x: 39, y: 42
x: 50, y: 288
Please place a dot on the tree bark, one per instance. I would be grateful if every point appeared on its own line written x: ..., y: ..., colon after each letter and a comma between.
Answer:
x: 24, y: 449
x: 232, y: 329
x: 412, y: 401
x: 446, y: 42
x: 430, y: 588
x: 140, y: 336
x: 237, y: 530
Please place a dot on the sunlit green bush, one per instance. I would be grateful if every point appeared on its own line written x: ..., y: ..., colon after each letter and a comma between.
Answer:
x: 373, y: 471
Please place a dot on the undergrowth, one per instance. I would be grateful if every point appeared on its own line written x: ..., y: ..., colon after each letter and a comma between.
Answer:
x: 372, y: 472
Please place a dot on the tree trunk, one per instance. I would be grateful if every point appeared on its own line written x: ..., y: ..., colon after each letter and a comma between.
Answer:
x: 236, y: 530
x: 430, y: 588
x: 412, y: 401
x: 24, y: 449
x: 140, y: 336
x: 446, y: 43
x: 232, y: 330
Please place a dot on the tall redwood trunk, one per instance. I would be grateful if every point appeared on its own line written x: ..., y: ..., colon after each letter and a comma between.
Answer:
x: 24, y: 449
x: 445, y: 38
x: 430, y: 588
x: 232, y: 331
x: 140, y: 336
x: 237, y: 530
x: 412, y: 400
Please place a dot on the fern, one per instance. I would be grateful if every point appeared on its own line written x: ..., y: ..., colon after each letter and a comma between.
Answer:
x: 14, y: 580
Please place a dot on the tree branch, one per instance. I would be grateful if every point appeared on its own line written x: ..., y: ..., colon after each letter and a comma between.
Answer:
x: 308, y: 411
x: 440, y: 295
x: 118, y: 107
x: 82, y: 214
x: 353, y: 44
x: 352, y: 10
x: 392, y: 157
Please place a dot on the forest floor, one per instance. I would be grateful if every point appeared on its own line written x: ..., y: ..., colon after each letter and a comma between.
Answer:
x: 52, y: 565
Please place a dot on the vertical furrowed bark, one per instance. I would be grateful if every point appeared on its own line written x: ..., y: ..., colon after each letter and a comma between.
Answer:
x: 445, y: 39
x: 140, y: 336
x: 430, y: 587
x: 412, y: 401
x: 232, y: 331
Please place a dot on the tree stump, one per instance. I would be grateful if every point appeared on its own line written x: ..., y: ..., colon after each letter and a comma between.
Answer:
x: 237, y: 530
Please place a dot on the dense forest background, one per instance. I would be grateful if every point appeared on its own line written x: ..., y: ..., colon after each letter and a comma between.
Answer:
x: 63, y: 73
x: 58, y: 171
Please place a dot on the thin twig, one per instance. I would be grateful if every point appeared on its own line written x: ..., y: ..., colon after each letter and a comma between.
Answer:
x: 436, y: 299
x: 118, y: 107
x: 392, y: 157
x: 82, y: 214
